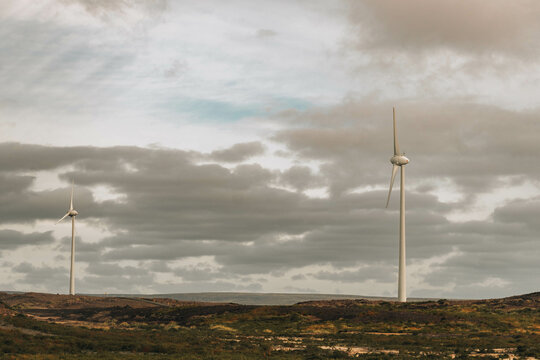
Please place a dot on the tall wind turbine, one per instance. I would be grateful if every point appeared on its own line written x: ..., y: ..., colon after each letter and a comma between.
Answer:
x: 71, y: 213
x: 399, y: 161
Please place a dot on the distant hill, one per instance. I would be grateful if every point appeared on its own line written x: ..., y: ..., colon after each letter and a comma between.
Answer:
x: 244, y: 298
x: 259, y: 298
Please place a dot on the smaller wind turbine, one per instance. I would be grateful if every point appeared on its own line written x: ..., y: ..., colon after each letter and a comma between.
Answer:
x: 399, y: 161
x: 71, y: 213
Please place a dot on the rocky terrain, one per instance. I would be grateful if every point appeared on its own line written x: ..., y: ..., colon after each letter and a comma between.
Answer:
x: 43, y: 326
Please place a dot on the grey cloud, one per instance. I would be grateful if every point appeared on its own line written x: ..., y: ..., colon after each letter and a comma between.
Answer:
x: 379, y: 273
x: 238, y: 152
x: 444, y: 139
x: 252, y: 175
x: 108, y: 269
x: 520, y: 212
x: 157, y: 266
x: 476, y: 147
x: 109, y: 9
x: 11, y: 239
x: 86, y: 252
x: 198, y: 273
x: 172, y: 203
x: 301, y: 178
x: 103, y: 277
x: 265, y: 33
x: 176, y: 209
x: 201, y: 273
x: 21, y: 157
x: 29, y: 206
x: 489, y: 250
x: 469, y: 26
x: 470, y: 272
x: 53, y: 277
x: 16, y: 157
x: 14, y: 183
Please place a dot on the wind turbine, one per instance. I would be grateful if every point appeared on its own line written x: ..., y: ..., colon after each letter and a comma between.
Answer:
x: 399, y: 161
x: 71, y: 213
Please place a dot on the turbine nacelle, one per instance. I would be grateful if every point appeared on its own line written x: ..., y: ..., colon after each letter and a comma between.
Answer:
x: 399, y: 160
x: 73, y: 213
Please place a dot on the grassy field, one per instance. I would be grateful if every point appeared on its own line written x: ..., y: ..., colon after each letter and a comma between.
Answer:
x: 42, y: 326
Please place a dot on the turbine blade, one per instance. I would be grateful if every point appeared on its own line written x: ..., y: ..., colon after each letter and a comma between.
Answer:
x: 71, y: 201
x: 394, y: 171
x: 396, y: 143
x: 63, y: 217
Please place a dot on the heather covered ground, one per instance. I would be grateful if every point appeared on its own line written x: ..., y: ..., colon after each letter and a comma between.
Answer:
x: 45, y: 326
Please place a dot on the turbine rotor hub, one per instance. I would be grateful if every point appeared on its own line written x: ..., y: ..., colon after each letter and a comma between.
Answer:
x: 399, y: 160
x: 73, y: 213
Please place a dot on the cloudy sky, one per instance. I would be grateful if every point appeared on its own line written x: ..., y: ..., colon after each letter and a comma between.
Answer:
x: 244, y: 146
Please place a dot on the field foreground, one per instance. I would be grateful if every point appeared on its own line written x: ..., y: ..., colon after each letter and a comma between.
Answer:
x: 89, y: 327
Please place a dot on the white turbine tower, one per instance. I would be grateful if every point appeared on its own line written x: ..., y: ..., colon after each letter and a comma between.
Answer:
x: 399, y: 161
x: 71, y: 213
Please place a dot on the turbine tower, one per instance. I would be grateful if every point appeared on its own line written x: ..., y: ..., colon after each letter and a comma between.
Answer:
x: 71, y: 213
x: 399, y: 161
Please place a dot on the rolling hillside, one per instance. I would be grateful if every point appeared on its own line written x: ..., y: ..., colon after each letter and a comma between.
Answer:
x: 44, y: 326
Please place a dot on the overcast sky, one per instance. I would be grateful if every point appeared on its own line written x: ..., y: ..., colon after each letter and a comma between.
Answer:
x: 245, y: 145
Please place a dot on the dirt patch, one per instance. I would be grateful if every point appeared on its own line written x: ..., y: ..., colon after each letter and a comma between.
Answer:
x: 222, y: 328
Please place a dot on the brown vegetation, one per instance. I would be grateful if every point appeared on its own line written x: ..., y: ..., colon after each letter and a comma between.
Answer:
x: 43, y: 323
